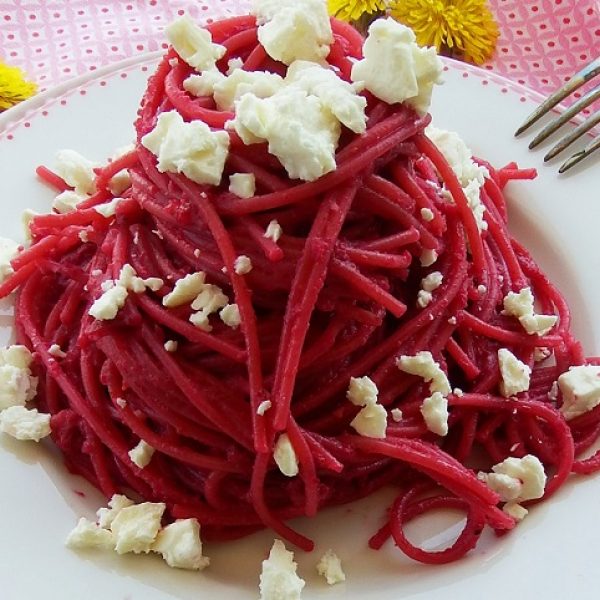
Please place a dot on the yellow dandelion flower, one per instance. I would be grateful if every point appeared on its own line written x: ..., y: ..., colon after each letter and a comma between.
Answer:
x: 462, y: 28
x: 353, y: 10
x: 13, y: 86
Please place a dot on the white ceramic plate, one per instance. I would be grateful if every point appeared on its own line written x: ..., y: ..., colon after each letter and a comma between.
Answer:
x: 552, y: 554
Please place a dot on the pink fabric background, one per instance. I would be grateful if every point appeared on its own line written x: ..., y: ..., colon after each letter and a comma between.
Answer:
x: 542, y: 42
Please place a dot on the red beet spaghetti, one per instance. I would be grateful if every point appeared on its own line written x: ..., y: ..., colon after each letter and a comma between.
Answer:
x: 334, y: 298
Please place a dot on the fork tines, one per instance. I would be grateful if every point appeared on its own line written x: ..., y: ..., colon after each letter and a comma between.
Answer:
x: 579, y: 79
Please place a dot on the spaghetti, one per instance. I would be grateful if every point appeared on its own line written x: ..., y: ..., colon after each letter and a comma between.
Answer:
x: 334, y: 298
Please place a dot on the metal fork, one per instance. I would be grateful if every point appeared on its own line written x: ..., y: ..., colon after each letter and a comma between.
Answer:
x: 586, y: 74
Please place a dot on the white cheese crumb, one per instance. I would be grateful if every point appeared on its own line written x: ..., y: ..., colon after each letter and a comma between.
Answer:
x: 135, y: 527
x: 106, y: 307
x: 83, y: 236
x: 452, y: 321
x: 26, y: 219
x: 424, y: 298
x: 538, y: 324
x: 181, y: 546
x: 89, y: 535
x: 278, y: 579
x: 515, y: 510
x: 261, y: 84
x: 458, y: 392
x: 242, y: 265
x: 541, y: 353
x: 435, y: 413
x: 233, y: 64
x: 330, y: 567
x: 263, y: 407
x: 395, y: 68
x: 285, y: 456
x: 432, y: 281
x: 194, y: 44
x: 141, y: 455
x: 427, y: 214
x: 242, y: 185
x: 362, y: 391
x: 121, y: 402
x: 423, y: 365
x: 200, y: 320
x: 273, y: 231
x: 119, y: 182
x: 171, y: 345
x: 515, y: 373
x: 580, y: 389
x: 108, y: 209
x: 210, y: 299
x: 371, y: 421
x: 203, y: 84
x: 8, y: 250
x: 230, y: 315
x: 481, y: 289
x: 428, y: 257
x: 521, y: 305
x: 292, y: 30
x: 24, y: 424
x: 77, y: 171
x: 56, y: 351
x: 189, y: 148
x: 185, y: 290
x: 17, y: 385
x: 115, y: 505
x: 396, y: 414
x: 67, y: 201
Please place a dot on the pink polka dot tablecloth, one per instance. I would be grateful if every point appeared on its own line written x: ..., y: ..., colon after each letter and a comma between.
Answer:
x: 542, y: 42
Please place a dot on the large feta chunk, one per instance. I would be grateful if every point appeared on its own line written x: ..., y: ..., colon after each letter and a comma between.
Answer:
x: 230, y: 315
x: 135, y: 527
x: 517, y: 479
x: 435, y: 413
x: 185, y: 290
x: 423, y: 365
x: 77, y: 171
x: 285, y: 456
x: 115, y: 505
x: 292, y: 30
x: 371, y: 421
x: 301, y: 132
x: 89, y: 535
x: 395, y: 68
x: 106, y: 307
x: 24, y: 424
x: 278, y: 579
x: 580, y: 389
x: 67, y: 201
x: 362, y: 391
x: 242, y: 185
x: 141, y: 455
x: 194, y: 44
x: 515, y: 373
x: 189, y: 148
x: 181, y: 546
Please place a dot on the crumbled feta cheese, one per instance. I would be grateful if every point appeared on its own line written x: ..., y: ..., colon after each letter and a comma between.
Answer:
x: 181, y: 546
x: 17, y: 386
x: 520, y: 305
x: 330, y: 567
x: 292, y: 30
x: 371, y: 421
x: 26, y: 219
x: 481, y: 289
x: 517, y: 479
x: 135, y: 527
x: 115, y: 505
x: 108, y: 209
x: 435, y: 413
x: 452, y: 321
x: 16, y: 356
x: 428, y: 257
x: 89, y: 535
x: 553, y: 393
x: 24, y: 424
x: 8, y: 251
x: 189, y: 148
x: 362, y: 391
x: 263, y: 407
x: 458, y: 392
x: 538, y: 324
x: 76, y: 171
x: 242, y: 265
x: 242, y: 185
x: 84, y: 237
x: 230, y: 315
x: 396, y: 414
x: 273, y: 231
x: 427, y: 214
x: 197, y: 253
x: 171, y: 345
x: 67, y: 201
x: 285, y: 456
x: 541, y: 353
x: 424, y: 298
x: 210, y: 299
x: 141, y: 455
x: 106, y: 307
x: 395, y: 68
x: 300, y: 131
x: 203, y: 84
x: 119, y: 182
x: 515, y: 510
x: 56, y: 351
x: 432, y: 281
x: 423, y: 365
x: 233, y: 64
x: 278, y: 579
x: 200, y: 320
x: 261, y: 84
x: 185, y: 290
x: 515, y: 373
x: 580, y: 389
x: 194, y: 44
x: 337, y: 95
